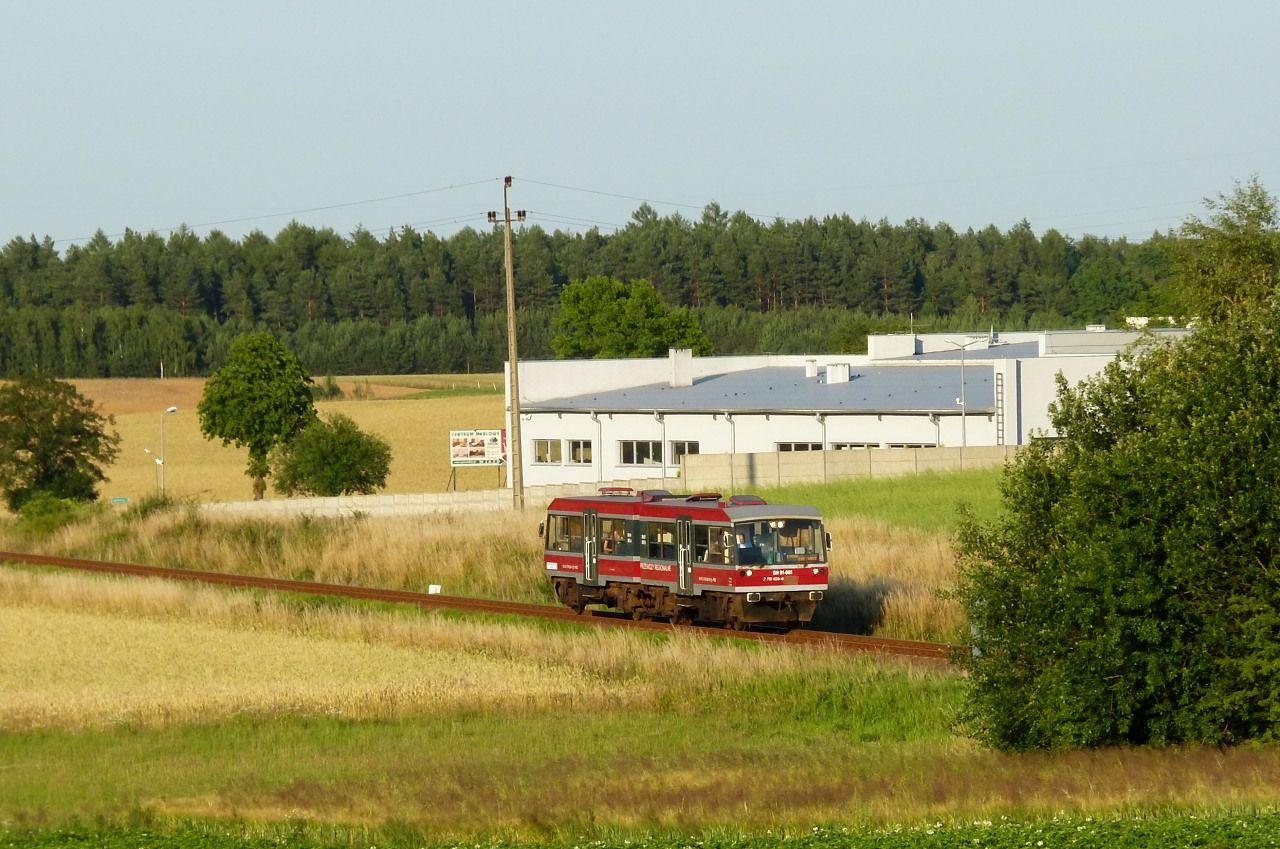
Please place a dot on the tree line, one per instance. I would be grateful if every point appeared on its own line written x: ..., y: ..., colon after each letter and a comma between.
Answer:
x: 416, y: 301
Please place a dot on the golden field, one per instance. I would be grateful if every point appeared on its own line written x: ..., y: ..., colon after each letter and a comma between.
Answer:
x: 417, y: 430
x: 97, y: 651
x: 241, y: 705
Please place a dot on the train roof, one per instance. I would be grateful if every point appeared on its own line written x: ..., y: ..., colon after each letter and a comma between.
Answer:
x: 710, y: 506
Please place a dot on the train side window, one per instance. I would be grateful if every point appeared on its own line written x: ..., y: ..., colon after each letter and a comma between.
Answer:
x: 613, y: 536
x: 661, y: 540
x: 710, y: 543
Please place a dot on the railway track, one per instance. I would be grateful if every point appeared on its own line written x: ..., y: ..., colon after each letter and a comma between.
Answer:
x: 938, y: 653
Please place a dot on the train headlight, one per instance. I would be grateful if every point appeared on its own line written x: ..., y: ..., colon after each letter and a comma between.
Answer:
x: 747, y: 572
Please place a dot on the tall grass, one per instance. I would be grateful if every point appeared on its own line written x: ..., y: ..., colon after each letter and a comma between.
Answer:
x: 885, y: 580
x: 95, y: 651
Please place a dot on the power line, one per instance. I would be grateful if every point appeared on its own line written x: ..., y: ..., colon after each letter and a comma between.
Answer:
x: 295, y: 212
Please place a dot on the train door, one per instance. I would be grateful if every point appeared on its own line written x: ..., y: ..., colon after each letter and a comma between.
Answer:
x: 684, y: 552
x: 590, y: 546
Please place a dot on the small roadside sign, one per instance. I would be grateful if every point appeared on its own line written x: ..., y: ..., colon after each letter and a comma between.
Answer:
x: 119, y: 499
x: 477, y: 447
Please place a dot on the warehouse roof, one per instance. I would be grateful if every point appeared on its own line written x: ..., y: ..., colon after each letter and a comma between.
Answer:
x: 886, y: 389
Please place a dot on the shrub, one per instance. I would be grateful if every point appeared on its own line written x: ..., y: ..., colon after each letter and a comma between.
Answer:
x: 44, y: 513
x: 1130, y: 594
x: 332, y: 457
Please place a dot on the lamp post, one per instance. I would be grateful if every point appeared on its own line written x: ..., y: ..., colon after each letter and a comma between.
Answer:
x: 517, y: 470
x: 160, y: 459
x: 964, y: 435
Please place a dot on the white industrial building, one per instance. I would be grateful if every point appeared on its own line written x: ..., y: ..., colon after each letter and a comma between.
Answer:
x: 585, y: 421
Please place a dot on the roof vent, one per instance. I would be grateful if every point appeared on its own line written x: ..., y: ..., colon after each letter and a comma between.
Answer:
x: 810, y: 368
x: 741, y: 500
x: 838, y: 373
x: 647, y: 495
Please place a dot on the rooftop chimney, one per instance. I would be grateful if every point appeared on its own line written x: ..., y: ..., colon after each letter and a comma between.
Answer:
x: 681, y: 367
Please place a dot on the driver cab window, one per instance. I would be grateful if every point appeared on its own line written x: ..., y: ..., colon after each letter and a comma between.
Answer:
x: 564, y: 533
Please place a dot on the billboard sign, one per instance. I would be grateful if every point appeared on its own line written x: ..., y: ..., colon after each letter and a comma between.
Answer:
x: 477, y: 447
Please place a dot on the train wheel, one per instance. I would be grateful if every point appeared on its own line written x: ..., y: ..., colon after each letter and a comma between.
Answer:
x: 734, y: 623
x: 683, y: 617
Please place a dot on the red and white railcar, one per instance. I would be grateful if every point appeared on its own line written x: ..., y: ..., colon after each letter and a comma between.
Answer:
x: 739, y: 561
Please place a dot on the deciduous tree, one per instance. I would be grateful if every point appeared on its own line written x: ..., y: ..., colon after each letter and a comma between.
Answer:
x: 52, y: 440
x: 601, y: 318
x: 260, y: 399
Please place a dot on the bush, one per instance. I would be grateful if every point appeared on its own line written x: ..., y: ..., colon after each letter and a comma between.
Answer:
x: 332, y: 458
x: 1131, y: 593
x: 1130, y: 596
x: 327, y: 390
x: 43, y: 513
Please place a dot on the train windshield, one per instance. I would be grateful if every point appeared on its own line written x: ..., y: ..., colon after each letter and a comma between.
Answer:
x: 779, y: 541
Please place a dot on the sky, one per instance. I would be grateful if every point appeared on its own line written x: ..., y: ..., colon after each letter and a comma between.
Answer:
x: 1113, y: 119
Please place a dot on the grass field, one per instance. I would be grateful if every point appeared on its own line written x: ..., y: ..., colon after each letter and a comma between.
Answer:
x: 414, y: 414
x: 138, y: 712
x: 179, y: 704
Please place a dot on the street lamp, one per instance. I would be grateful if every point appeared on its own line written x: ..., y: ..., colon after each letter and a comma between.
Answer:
x: 517, y: 471
x: 160, y: 459
x: 964, y: 435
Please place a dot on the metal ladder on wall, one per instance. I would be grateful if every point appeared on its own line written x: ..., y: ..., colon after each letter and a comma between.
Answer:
x: 999, y: 408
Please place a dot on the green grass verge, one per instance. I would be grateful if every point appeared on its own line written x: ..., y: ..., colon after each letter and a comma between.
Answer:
x: 1239, y: 830
x: 928, y: 502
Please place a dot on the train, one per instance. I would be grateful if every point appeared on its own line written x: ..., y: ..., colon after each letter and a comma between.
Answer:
x: 736, y: 562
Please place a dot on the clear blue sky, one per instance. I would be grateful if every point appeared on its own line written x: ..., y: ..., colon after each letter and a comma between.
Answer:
x: 1089, y: 117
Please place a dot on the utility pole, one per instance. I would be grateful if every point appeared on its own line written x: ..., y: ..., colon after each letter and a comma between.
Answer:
x: 962, y: 401
x: 517, y: 469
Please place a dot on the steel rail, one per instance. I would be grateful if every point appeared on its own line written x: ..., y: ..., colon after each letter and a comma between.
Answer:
x: 936, y: 652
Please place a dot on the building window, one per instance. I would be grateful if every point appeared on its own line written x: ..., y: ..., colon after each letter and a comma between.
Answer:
x: 546, y: 451
x: 679, y: 449
x: 580, y: 452
x: 799, y: 446
x: 912, y: 445
x: 639, y: 453
x: 850, y: 446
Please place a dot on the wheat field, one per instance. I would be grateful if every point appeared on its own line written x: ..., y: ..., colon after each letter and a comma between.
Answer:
x: 97, y: 651
x: 417, y: 429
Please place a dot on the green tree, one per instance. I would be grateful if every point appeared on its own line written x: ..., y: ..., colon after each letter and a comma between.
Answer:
x: 332, y: 457
x: 259, y: 399
x: 52, y: 441
x: 602, y: 318
x: 1130, y: 595
x: 1231, y: 260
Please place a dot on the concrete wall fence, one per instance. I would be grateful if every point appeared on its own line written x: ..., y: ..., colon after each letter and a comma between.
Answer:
x: 700, y: 473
